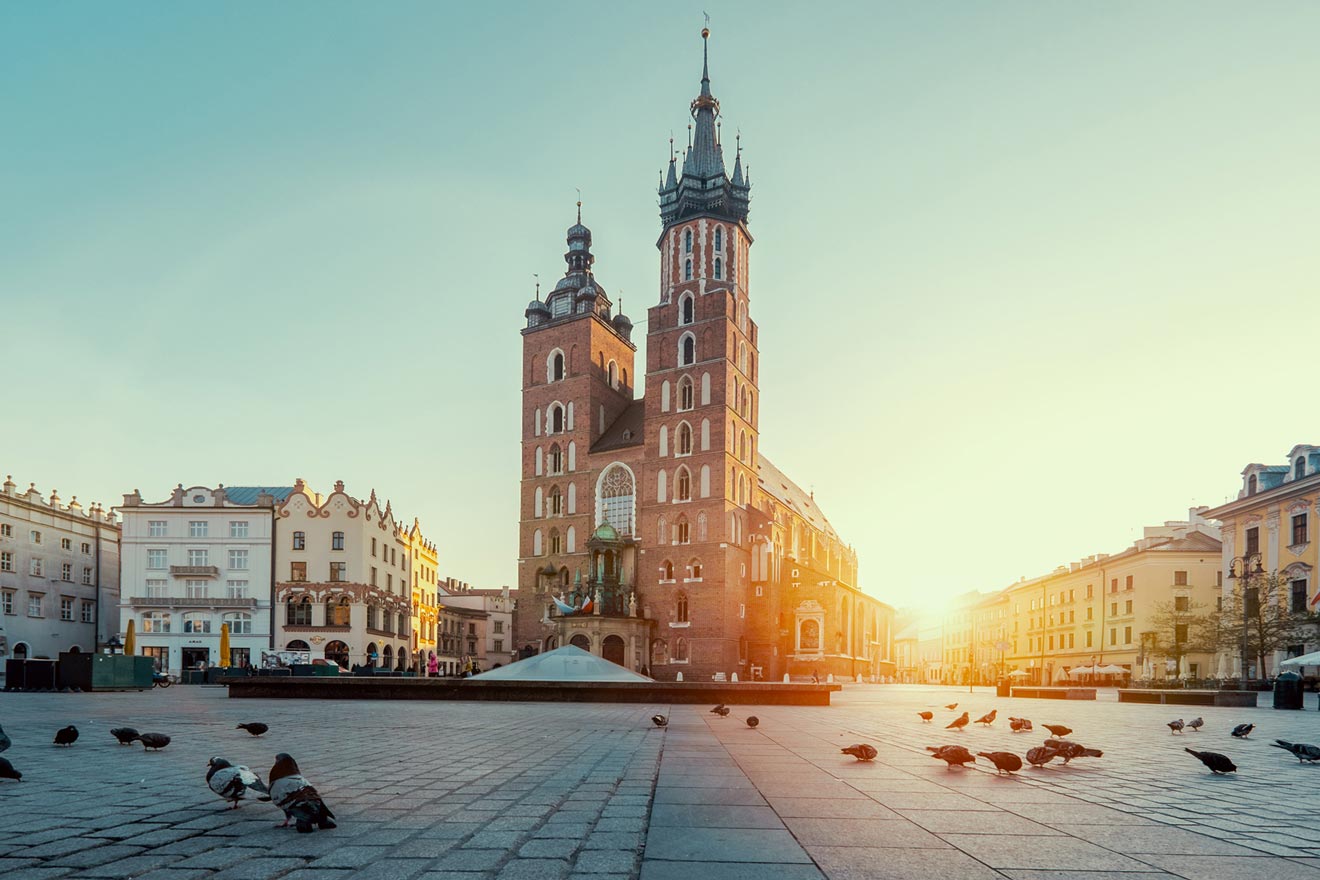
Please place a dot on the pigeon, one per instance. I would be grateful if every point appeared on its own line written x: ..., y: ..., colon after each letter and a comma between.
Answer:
x: 952, y: 755
x: 659, y: 720
x: 958, y: 723
x: 126, y: 735
x: 7, y: 771
x: 1196, y: 723
x: 1242, y: 731
x: 1176, y: 726
x: 720, y: 710
x: 1005, y: 762
x: 1215, y: 761
x: 926, y: 716
x: 233, y: 783
x: 1017, y: 725
x: 1301, y: 751
x: 752, y: 721
x: 1040, y: 756
x: 5, y: 741
x: 1068, y: 750
x: 861, y: 751
x: 155, y: 741
x: 1057, y: 729
x: 988, y: 718
x: 951, y: 706
x: 256, y: 728
x: 66, y: 736
x: 293, y: 794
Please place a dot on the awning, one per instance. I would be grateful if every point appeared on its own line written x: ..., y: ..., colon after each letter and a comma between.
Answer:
x: 1312, y: 659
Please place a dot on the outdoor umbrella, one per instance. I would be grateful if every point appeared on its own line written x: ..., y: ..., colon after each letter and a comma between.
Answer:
x: 1111, y: 669
x: 1312, y: 659
x: 130, y: 640
x: 224, y: 645
x: 1223, y: 666
x: 1018, y: 673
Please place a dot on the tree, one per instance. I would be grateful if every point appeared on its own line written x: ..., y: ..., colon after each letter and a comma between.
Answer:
x: 1181, y: 627
x: 1272, y: 625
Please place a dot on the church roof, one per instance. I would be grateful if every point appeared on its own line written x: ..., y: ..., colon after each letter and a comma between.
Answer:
x: 248, y: 494
x: 569, y: 663
x: 776, y: 484
x: 626, y: 430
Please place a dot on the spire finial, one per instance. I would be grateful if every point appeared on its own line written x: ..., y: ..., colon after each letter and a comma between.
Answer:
x: 538, y: 285
x: 705, y: 57
x: 689, y: 137
x: 579, y: 203
x: 671, y: 145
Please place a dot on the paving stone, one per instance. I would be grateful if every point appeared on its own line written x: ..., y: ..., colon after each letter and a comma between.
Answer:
x: 552, y: 848
x: 533, y: 869
x: 605, y: 861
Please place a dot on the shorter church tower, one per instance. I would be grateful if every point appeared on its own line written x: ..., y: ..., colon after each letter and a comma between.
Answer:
x: 577, y: 379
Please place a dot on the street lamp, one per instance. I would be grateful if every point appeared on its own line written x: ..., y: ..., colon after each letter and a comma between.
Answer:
x: 1245, y: 567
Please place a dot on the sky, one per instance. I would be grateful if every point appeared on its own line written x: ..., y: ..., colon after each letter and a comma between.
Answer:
x: 1028, y: 276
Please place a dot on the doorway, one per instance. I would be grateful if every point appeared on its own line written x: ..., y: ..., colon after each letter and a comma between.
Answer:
x: 192, y: 657
x: 613, y: 650
x: 581, y: 641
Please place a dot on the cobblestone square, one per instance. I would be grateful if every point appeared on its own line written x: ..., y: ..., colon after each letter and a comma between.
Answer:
x: 544, y: 790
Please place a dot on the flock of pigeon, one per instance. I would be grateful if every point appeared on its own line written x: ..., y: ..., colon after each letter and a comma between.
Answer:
x: 1059, y: 747
x: 288, y: 789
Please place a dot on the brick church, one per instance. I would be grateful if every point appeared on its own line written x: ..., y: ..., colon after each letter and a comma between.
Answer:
x: 653, y: 531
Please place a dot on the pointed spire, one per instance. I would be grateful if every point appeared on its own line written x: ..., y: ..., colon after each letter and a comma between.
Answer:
x: 737, y: 161
x: 705, y: 59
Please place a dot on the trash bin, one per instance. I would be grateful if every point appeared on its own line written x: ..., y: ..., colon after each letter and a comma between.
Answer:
x: 1001, y: 688
x: 1288, y: 691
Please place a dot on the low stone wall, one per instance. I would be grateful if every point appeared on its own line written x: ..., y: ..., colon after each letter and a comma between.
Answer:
x: 372, y: 688
x: 1248, y: 699
x: 1055, y: 693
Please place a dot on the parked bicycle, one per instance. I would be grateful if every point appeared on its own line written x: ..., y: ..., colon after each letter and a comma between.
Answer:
x: 161, y: 680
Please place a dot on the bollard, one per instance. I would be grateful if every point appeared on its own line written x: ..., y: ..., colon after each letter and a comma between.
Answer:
x: 680, y: 677
x: 859, y: 678
x: 786, y: 679
x: 829, y: 678
x: 733, y: 677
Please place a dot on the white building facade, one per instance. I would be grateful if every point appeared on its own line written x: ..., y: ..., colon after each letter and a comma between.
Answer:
x: 200, y: 559
x: 59, y: 574
x: 343, y: 580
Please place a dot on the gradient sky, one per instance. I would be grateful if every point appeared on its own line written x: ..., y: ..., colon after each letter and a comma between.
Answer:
x: 1029, y: 276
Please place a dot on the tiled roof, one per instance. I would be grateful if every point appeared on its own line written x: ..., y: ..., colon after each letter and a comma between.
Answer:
x: 1193, y: 541
x: 629, y: 422
x: 778, y: 486
x: 248, y: 494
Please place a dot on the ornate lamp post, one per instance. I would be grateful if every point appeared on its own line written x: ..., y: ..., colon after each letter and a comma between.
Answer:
x: 1245, y: 567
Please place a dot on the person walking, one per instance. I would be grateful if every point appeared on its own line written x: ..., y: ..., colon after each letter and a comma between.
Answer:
x: 432, y: 665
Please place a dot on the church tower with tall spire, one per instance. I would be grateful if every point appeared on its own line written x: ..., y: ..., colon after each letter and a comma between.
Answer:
x: 702, y: 395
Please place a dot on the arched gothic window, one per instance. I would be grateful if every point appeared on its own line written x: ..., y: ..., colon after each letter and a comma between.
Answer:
x: 683, y: 440
x: 556, y: 419
x: 687, y: 351
x: 687, y: 241
x: 667, y: 571
x: 718, y: 269
x: 686, y: 395
x: 557, y: 366
x: 683, y: 485
x: 662, y: 531
x: 694, y: 569
x: 681, y: 608
x: 719, y: 239
x: 687, y: 270
x: 742, y: 358
x: 556, y: 546
x: 701, y: 527
x: 556, y: 502
x: 556, y: 459
x: 613, y: 371
x: 681, y: 527
x: 616, y: 499
x: 687, y: 309
x: 680, y: 650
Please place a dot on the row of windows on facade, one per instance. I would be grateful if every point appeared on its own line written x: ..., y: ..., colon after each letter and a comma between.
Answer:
x: 197, y: 528
x: 37, y: 568
x: 36, y: 606
x: 1300, y: 534
x: 556, y: 369
x: 198, y: 557
x: 195, y: 589
x: 35, y: 537
x: 200, y: 622
x: 687, y: 311
x: 1070, y: 595
x: 298, y: 612
x: 1298, y: 471
x: 680, y: 531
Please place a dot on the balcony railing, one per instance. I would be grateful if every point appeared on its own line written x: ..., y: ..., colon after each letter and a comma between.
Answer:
x: 191, y: 602
x: 194, y: 571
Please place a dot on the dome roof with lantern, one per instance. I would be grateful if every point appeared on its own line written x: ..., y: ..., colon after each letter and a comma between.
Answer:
x: 577, y: 293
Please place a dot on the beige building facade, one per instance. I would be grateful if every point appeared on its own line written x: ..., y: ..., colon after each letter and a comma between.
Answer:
x: 59, y: 574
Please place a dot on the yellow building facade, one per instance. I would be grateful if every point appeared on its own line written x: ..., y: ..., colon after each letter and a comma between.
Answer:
x: 1129, y: 610
x: 1274, y: 518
